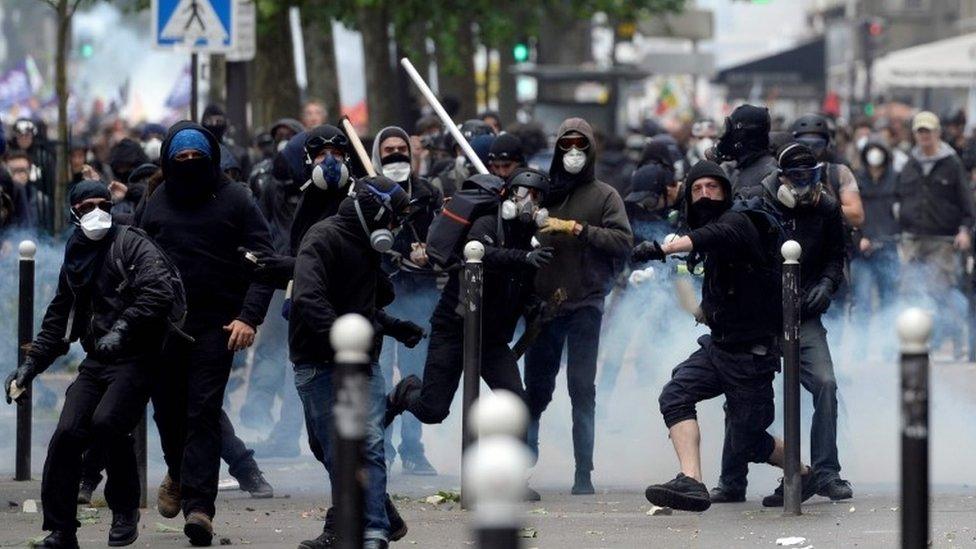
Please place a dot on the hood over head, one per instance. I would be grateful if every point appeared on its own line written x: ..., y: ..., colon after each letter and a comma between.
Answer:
x: 166, y: 155
x: 189, y: 186
x: 385, y: 133
x: 228, y: 160
x: 290, y: 123
x: 142, y: 173
x: 879, y: 144
x: 124, y: 157
x: 704, y: 168
x: 288, y: 164
x: 562, y: 183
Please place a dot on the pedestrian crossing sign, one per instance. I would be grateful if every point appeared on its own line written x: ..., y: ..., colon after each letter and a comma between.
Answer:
x: 201, y: 26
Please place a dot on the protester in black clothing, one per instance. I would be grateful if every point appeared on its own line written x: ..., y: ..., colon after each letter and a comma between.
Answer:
x: 200, y: 219
x: 613, y: 166
x: 118, y: 310
x: 745, y: 141
x: 262, y: 174
x: 414, y: 280
x: 740, y: 298
x: 505, y: 156
x: 214, y: 119
x: 813, y: 218
x: 453, y: 175
x: 510, y: 264
x: 876, y: 265
x: 338, y: 272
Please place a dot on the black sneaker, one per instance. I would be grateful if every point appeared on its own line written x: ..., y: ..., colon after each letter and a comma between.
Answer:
x: 326, y: 540
x: 85, y: 490
x: 582, y: 486
x: 683, y: 493
x: 418, y: 466
x: 399, y: 398
x: 59, y: 539
x: 398, y: 527
x: 807, y: 487
x: 253, y: 482
x: 836, y: 489
x: 720, y: 494
x: 125, y: 528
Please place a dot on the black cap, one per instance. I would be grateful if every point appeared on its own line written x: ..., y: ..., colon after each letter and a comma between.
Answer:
x: 142, y: 172
x: 88, y: 188
x: 652, y: 179
x: 506, y: 147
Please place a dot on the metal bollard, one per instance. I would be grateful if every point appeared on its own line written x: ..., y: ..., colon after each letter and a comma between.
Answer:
x: 352, y: 339
x: 495, y: 469
x: 139, y: 436
x: 914, y: 329
x: 792, y: 483
x: 471, y: 288
x: 25, y: 333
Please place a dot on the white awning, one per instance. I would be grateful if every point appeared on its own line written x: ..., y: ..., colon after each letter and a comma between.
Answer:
x: 949, y: 63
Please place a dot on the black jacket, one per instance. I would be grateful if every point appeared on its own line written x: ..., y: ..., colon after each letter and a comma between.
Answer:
x: 336, y: 272
x: 735, y: 298
x: 426, y: 201
x: 750, y: 173
x: 202, y: 240
x: 507, y: 288
x: 818, y: 228
x: 938, y: 203
x: 278, y: 202
x: 143, y: 303
x: 879, y: 198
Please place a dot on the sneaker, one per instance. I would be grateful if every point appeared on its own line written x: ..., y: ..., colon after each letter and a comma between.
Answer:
x: 399, y: 398
x: 168, y: 499
x: 85, y: 490
x: 398, y: 527
x: 418, y: 466
x: 253, y: 482
x: 199, y: 529
x: 125, y: 528
x: 683, y: 493
x: 274, y: 448
x: 59, y: 539
x: 582, y: 486
x: 326, y: 540
x: 808, y: 489
x: 720, y: 494
x: 836, y: 489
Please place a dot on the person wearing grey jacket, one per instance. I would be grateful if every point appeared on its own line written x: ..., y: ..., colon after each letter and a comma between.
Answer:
x: 589, y: 230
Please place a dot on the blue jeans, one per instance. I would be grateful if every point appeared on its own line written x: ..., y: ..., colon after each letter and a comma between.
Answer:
x: 876, y: 271
x: 315, y: 387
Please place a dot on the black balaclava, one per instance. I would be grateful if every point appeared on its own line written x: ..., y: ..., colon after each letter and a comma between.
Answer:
x: 219, y: 128
x: 746, y: 134
x: 706, y: 210
x: 125, y: 156
x: 82, y: 256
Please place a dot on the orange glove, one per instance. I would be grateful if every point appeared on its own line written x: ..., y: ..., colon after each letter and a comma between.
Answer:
x: 555, y: 226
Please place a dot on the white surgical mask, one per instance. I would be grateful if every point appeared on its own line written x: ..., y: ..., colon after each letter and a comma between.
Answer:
x: 95, y: 224
x: 152, y: 148
x: 703, y: 145
x: 875, y: 157
x: 397, y: 171
x: 574, y: 160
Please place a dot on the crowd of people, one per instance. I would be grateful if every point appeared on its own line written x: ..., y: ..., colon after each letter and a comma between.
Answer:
x: 187, y: 248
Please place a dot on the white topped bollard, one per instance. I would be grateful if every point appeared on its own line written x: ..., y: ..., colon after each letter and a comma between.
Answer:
x: 499, y: 413
x: 914, y: 330
x: 352, y: 339
x: 471, y: 299
x: 792, y: 480
x: 25, y: 333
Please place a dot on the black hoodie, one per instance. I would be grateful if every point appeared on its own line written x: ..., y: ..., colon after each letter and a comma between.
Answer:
x: 202, y: 239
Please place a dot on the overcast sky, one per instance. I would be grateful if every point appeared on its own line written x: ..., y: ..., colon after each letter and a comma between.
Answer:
x: 745, y: 31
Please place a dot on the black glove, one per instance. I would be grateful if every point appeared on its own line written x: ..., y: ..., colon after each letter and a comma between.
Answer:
x: 110, y: 344
x: 817, y: 299
x: 404, y: 331
x: 271, y: 270
x: 539, y: 257
x: 648, y: 251
x: 23, y: 375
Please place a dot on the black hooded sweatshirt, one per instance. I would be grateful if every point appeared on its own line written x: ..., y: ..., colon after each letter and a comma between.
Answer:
x: 202, y: 238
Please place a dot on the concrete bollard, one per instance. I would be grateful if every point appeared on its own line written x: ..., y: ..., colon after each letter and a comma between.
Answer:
x: 25, y: 334
x: 471, y: 293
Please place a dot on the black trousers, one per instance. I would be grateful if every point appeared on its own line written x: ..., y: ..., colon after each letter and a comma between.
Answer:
x: 102, y: 406
x: 187, y: 401
x: 444, y: 367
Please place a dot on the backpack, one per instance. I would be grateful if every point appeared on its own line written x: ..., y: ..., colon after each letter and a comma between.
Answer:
x: 447, y: 234
x: 178, y: 309
x: 769, y: 223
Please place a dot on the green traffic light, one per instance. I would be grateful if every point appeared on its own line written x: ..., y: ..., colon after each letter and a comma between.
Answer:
x: 869, y: 109
x: 521, y: 53
x: 87, y: 50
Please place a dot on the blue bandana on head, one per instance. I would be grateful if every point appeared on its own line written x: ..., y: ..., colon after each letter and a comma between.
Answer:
x: 189, y: 139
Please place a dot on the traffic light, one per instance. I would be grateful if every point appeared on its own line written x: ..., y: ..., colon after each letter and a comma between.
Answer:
x: 87, y: 50
x: 520, y: 51
x: 873, y: 30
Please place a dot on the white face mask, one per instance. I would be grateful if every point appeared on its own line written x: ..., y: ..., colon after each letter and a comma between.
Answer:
x: 875, y: 157
x: 703, y: 145
x: 397, y: 171
x: 95, y: 224
x: 574, y: 160
x: 152, y: 148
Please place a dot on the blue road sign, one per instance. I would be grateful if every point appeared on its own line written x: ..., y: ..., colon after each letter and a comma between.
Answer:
x: 194, y: 25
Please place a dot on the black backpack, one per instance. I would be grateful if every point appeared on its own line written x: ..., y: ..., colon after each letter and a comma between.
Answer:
x: 769, y: 223
x: 448, y: 231
x: 177, y: 312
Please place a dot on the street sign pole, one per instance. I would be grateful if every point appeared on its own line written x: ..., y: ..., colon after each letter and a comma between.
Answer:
x: 194, y: 85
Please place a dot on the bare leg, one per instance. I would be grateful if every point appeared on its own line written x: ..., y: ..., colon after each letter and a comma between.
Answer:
x: 686, y: 439
x: 778, y: 457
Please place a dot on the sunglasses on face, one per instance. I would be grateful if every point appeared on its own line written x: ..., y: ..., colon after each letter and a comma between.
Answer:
x: 571, y: 141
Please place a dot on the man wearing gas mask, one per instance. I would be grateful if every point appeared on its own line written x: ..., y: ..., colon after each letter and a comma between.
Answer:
x: 414, y: 280
x: 200, y: 219
x: 589, y: 231
x: 451, y: 177
x: 510, y: 264
x: 338, y: 271
x: 813, y: 218
x: 122, y: 331
x: 745, y: 141
x: 812, y: 131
